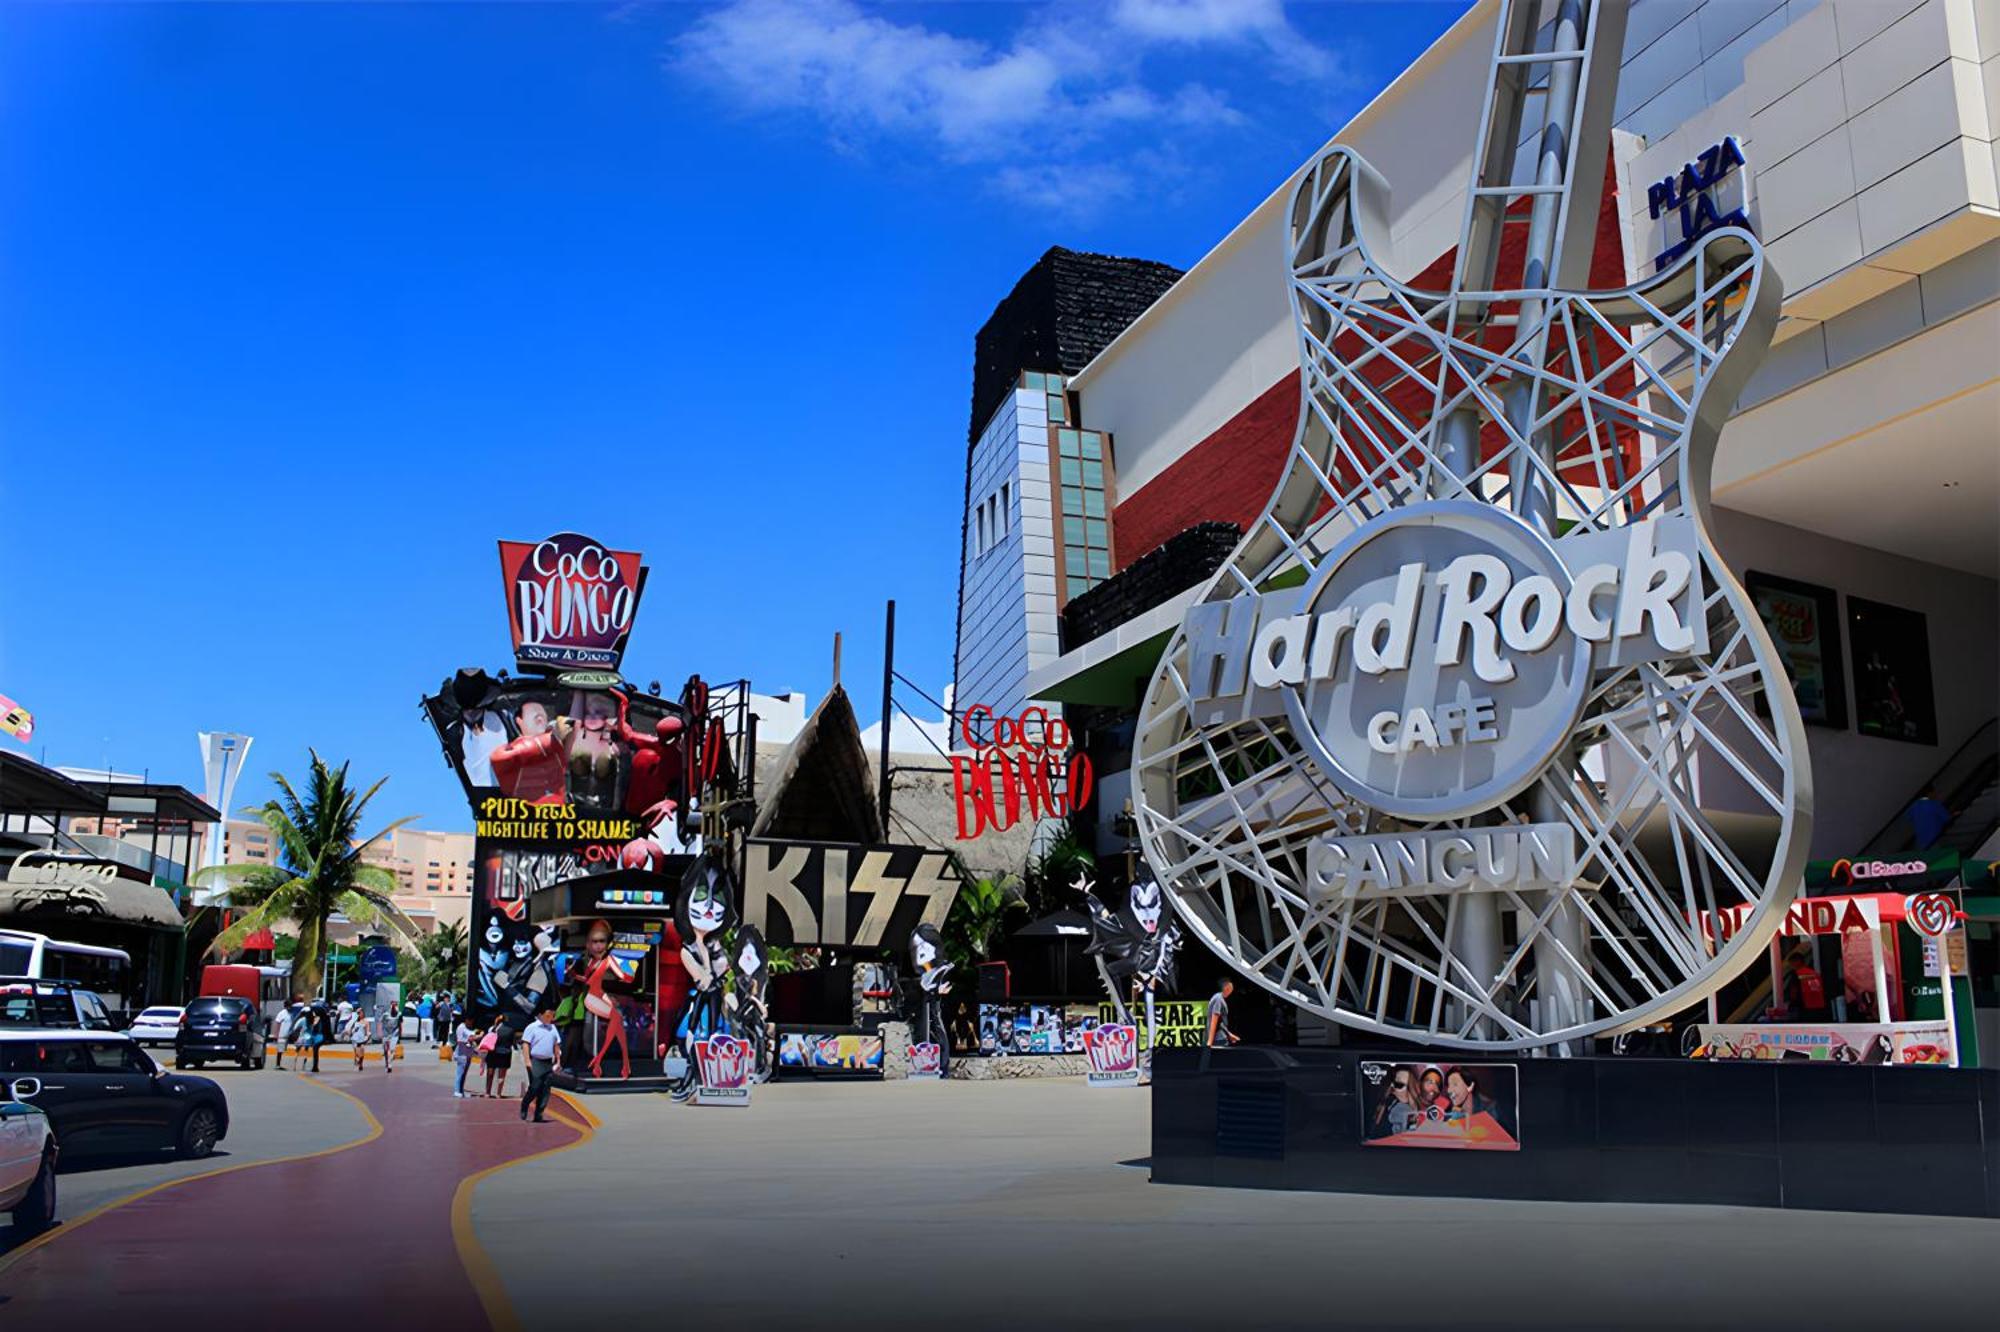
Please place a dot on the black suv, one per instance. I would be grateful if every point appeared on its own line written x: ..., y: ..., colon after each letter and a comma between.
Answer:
x: 216, y: 1027
x: 103, y: 1094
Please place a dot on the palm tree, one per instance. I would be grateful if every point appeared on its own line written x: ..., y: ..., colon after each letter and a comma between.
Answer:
x: 444, y: 952
x: 974, y: 924
x: 319, y: 870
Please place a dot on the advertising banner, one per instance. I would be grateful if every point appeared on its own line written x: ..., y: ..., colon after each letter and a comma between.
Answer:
x: 1033, y: 1029
x: 1459, y: 1107
x: 1113, y: 1052
x: 830, y: 1052
x: 722, y: 1067
x: 1183, y: 1023
x: 1804, y: 621
x: 1837, y: 1043
x: 831, y: 895
x: 926, y: 1061
x: 570, y: 601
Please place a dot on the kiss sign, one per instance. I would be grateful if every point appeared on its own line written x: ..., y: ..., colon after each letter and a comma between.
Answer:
x: 570, y: 601
x: 1930, y: 914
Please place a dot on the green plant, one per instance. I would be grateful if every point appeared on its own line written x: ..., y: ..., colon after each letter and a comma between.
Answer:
x: 982, y: 907
x: 443, y: 953
x: 1048, y: 879
x: 319, y: 870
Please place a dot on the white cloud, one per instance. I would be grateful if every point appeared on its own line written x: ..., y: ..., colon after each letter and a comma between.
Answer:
x: 1065, y: 93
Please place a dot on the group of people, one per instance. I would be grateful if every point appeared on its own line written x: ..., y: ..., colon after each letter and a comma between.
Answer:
x: 309, y: 1025
x: 494, y: 1047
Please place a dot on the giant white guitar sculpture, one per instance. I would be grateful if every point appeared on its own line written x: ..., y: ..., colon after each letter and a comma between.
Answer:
x: 1474, y: 735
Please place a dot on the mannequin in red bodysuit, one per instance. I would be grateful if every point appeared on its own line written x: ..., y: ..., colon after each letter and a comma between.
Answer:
x: 656, y: 765
x: 531, y: 766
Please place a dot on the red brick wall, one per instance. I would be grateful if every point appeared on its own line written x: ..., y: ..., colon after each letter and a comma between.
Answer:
x: 1230, y: 475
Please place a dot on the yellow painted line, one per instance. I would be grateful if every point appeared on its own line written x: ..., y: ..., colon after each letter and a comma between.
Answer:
x: 479, y: 1268
x: 71, y: 1227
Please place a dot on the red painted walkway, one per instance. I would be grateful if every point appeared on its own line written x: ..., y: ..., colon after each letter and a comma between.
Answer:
x: 358, y: 1240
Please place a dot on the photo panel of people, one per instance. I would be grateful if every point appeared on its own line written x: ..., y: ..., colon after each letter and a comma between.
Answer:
x: 1463, y: 1107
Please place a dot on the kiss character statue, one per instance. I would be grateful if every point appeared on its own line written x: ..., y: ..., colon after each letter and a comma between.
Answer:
x: 530, y: 978
x: 702, y: 914
x: 491, y: 970
x: 934, y: 983
x: 1135, y: 950
x: 749, y: 1003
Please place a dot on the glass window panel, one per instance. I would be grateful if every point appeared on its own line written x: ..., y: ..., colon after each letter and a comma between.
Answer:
x: 1058, y: 409
x: 1091, y: 441
x: 1075, y: 561
x: 1066, y: 443
x: 1072, y: 472
x: 1100, y: 564
x: 1037, y: 380
x: 1094, y: 533
x: 1056, y: 383
x: 1093, y: 503
x: 1076, y: 503
x: 1093, y: 475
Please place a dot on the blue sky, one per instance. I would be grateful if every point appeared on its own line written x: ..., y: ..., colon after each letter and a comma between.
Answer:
x: 303, y: 306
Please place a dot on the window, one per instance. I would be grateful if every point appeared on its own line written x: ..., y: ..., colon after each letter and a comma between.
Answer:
x: 979, y: 538
x: 1083, y: 523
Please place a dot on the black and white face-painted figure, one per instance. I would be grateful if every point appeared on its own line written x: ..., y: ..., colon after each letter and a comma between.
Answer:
x: 530, y: 971
x: 933, y: 975
x: 752, y: 963
x: 1134, y: 948
x: 701, y: 914
x: 490, y: 975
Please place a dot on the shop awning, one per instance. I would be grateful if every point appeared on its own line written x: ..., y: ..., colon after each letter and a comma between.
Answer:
x: 43, y: 905
x: 1112, y: 669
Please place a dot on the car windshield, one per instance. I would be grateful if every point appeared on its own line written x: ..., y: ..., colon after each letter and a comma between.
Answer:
x: 159, y: 1013
x: 14, y: 958
x: 208, y: 1007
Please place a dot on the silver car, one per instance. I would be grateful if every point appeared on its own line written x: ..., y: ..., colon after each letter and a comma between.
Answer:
x: 27, y: 1159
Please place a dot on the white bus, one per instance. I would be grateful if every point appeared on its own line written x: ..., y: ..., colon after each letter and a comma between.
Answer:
x: 105, y: 972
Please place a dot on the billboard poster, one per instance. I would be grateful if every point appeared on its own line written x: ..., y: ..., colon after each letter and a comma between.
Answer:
x: 1804, y: 622
x: 570, y: 601
x: 1113, y: 1054
x: 1183, y: 1023
x: 1892, y: 672
x: 1842, y: 1043
x: 830, y: 1052
x: 1458, y: 1107
x: 1033, y: 1029
x: 926, y: 1061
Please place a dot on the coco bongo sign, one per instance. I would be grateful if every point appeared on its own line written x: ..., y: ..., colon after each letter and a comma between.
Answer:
x: 1018, y: 766
x: 570, y: 601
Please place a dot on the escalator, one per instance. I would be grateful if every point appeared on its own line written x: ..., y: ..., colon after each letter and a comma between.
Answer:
x: 1969, y: 785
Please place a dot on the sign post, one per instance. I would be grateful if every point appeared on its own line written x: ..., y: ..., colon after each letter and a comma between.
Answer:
x: 1933, y: 915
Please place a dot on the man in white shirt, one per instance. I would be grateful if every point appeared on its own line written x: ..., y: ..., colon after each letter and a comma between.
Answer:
x: 544, y: 1044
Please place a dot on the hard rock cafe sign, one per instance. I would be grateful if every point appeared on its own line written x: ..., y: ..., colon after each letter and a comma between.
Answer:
x: 1474, y: 727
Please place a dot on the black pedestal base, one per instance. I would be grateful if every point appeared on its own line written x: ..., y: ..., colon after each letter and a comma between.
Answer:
x: 1756, y: 1134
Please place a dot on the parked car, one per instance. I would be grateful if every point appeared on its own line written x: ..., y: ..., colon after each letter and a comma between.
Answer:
x: 27, y: 1160
x: 25, y: 1002
x: 157, y: 1026
x: 102, y: 1093
x: 220, y: 1027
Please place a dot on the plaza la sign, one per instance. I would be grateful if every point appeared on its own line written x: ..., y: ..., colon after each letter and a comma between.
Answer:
x: 571, y: 601
x: 1689, y: 197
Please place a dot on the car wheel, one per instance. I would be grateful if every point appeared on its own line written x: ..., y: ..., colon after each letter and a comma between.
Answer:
x: 36, y: 1211
x: 199, y: 1132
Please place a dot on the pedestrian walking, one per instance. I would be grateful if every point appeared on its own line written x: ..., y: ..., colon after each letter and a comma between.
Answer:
x: 392, y: 1038
x: 499, y: 1047
x: 446, y: 1017
x: 319, y: 1026
x: 426, y: 1010
x: 357, y: 1035
x: 544, y: 1044
x: 288, y: 1020
x: 464, y: 1041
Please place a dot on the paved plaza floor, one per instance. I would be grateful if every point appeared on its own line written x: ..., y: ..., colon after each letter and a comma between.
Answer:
x: 380, y: 1203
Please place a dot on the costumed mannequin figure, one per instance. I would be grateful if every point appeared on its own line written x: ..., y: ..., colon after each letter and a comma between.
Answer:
x: 1138, y: 952
x: 749, y: 1002
x: 529, y: 974
x: 701, y: 914
x: 656, y: 765
x: 594, y: 748
x: 600, y: 970
x: 531, y: 765
x: 934, y: 983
